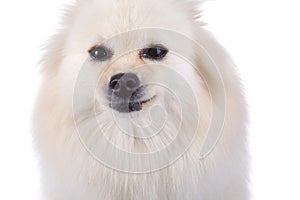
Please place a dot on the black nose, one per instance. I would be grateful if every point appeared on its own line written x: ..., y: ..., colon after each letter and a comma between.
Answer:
x: 124, y: 85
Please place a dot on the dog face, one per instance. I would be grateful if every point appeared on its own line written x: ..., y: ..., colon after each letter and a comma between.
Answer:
x: 134, y: 73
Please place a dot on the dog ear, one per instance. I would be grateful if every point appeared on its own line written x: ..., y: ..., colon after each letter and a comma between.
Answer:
x: 217, y: 69
x: 53, y: 51
x: 213, y: 62
x: 193, y: 8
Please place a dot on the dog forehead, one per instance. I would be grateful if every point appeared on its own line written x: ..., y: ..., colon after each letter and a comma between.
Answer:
x: 92, y: 22
x: 110, y: 17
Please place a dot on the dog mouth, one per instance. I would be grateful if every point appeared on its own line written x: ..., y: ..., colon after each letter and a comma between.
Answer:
x: 134, y: 103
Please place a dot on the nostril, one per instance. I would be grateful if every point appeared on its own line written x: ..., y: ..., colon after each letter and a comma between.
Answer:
x: 114, y: 85
x: 130, y: 84
x: 131, y: 81
x: 114, y: 81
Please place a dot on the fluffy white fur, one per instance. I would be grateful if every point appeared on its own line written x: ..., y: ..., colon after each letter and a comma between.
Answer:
x: 69, y: 171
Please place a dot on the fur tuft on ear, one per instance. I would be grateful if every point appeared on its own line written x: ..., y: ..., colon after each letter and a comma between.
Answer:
x: 193, y: 8
x: 53, y: 51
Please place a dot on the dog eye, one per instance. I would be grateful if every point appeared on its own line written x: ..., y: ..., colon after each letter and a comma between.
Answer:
x: 100, y: 53
x: 154, y: 53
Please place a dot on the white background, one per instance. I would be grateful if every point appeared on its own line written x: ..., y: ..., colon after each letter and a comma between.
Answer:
x: 263, y: 38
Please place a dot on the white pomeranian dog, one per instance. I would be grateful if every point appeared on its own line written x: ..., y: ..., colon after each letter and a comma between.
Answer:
x: 139, y: 101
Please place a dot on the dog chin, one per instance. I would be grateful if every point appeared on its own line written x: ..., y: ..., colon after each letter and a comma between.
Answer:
x: 127, y: 106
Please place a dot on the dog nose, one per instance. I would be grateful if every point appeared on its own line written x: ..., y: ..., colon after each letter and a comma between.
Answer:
x: 124, y: 84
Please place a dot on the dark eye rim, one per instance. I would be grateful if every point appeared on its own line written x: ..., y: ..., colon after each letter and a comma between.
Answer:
x: 154, y: 46
x: 108, y: 52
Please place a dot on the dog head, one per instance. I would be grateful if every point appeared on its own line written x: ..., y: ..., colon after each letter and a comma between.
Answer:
x: 130, y: 71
